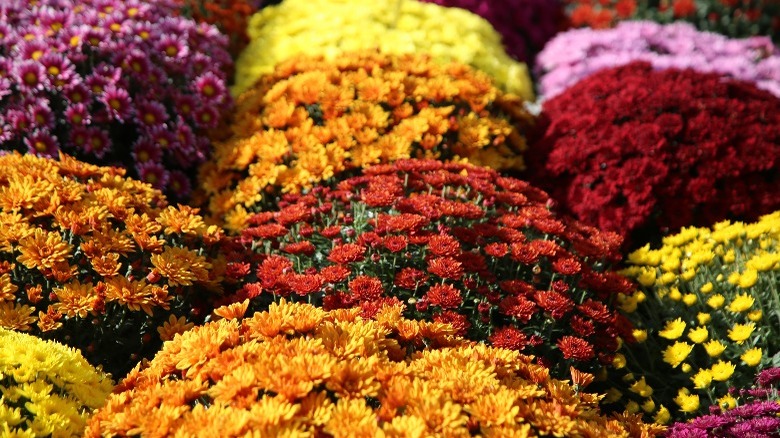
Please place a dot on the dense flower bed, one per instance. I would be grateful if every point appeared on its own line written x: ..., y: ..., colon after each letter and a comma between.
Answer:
x: 111, y: 82
x: 296, y: 369
x: 729, y: 17
x: 46, y: 389
x: 628, y: 147
x: 707, y: 307
x: 525, y: 25
x: 313, y: 119
x: 97, y: 261
x: 331, y: 27
x: 458, y: 243
x: 576, y: 54
x: 749, y: 412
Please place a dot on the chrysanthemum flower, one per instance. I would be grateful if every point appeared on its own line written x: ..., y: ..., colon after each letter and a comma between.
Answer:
x: 46, y: 389
x: 456, y: 243
x: 105, y: 78
x: 297, y: 27
x: 97, y: 261
x: 720, y: 340
x: 296, y: 369
x: 312, y: 119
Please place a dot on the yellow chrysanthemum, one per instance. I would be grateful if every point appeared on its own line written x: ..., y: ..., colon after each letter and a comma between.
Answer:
x: 715, y: 348
x: 673, y: 329
x: 752, y: 357
x: 686, y: 401
x: 741, y: 332
x: 741, y: 303
x: 702, y: 379
x: 721, y: 371
x: 698, y: 335
x: 676, y: 353
x: 297, y: 27
x: 716, y: 301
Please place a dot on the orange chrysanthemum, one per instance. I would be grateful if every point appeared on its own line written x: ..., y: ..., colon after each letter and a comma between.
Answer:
x: 298, y: 369
x: 96, y: 260
x: 312, y: 119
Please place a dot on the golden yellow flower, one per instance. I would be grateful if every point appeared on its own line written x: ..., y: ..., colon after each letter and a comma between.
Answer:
x: 703, y: 318
x: 752, y: 357
x: 642, y: 388
x: 663, y: 416
x: 702, y: 379
x: 741, y: 332
x: 715, y: 348
x: 673, y: 329
x: 698, y: 335
x: 689, y: 299
x: 721, y: 371
x: 755, y: 315
x: 686, y: 401
x: 640, y: 335
x: 741, y: 303
x: 716, y: 301
x: 707, y: 288
x: 727, y: 402
x: 181, y: 220
x: 748, y: 278
x: 676, y: 353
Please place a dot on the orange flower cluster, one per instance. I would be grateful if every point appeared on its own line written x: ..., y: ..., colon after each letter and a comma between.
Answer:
x: 297, y: 370
x: 312, y: 119
x: 230, y: 17
x: 98, y: 261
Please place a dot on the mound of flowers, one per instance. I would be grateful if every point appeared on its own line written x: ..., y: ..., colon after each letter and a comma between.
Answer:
x: 576, y: 54
x: 728, y: 17
x: 112, y: 82
x: 457, y: 243
x: 313, y: 118
x: 46, y: 389
x: 297, y: 369
x: 750, y: 412
x: 99, y: 262
x: 525, y: 25
x: 332, y: 27
x: 627, y: 147
x: 707, y: 307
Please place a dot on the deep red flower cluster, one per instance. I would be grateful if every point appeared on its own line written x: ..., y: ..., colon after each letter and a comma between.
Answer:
x: 456, y: 243
x: 637, y: 151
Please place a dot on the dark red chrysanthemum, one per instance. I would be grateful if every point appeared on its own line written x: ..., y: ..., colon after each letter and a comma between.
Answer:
x: 575, y: 348
x: 518, y: 307
x: 509, y: 338
x: 557, y: 304
x: 627, y: 146
x: 459, y: 322
x: 444, y: 296
x: 410, y: 278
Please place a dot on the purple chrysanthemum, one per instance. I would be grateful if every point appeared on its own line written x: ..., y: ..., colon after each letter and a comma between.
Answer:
x: 114, y: 75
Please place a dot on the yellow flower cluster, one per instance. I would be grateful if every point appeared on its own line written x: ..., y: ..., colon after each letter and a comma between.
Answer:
x: 708, y: 306
x: 96, y: 260
x: 331, y: 27
x: 46, y: 389
x: 297, y: 370
x: 313, y: 118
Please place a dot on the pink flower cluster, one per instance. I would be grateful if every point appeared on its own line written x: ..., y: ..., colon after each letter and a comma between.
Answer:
x: 574, y: 55
x: 113, y: 82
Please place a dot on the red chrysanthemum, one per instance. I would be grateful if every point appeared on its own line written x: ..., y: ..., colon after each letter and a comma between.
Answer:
x: 575, y: 348
x: 626, y: 147
x: 446, y: 267
x: 347, y: 253
x: 365, y: 288
x: 454, y: 243
x: 509, y: 338
x: 444, y: 296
